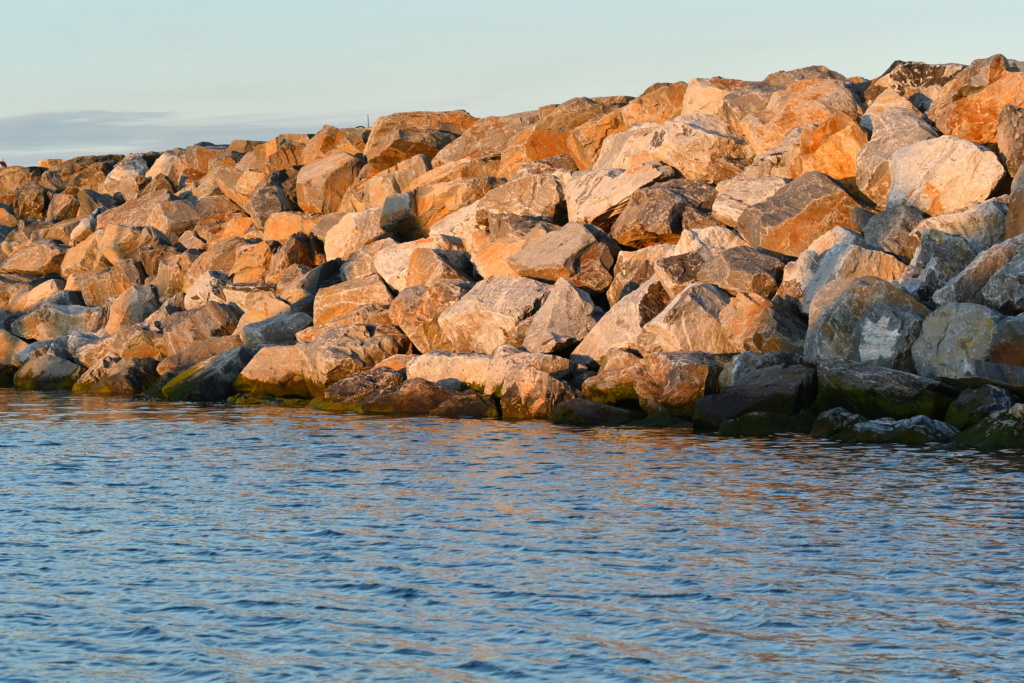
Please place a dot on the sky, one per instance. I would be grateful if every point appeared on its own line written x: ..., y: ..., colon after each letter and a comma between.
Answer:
x: 115, y: 76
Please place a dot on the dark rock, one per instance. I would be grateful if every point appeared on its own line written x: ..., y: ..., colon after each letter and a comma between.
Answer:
x: 919, y: 430
x: 743, y: 270
x: 468, y: 404
x: 1004, y: 429
x: 974, y: 404
x: 877, y: 392
x: 47, y: 373
x: 779, y: 390
x: 413, y: 397
x: 345, y: 395
x: 210, y: 380
x: 586, y: 413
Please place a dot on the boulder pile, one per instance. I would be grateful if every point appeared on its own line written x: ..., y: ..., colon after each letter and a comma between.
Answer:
x: 808, y: 252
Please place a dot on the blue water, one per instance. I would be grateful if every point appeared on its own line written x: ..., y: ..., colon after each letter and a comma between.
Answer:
x: 164, y: 542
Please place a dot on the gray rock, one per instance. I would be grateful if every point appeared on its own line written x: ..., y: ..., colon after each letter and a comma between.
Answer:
x: 885, y: 335
x: 893, y: 129
x: 848, y: 261
x: 737, y: 196
x: 657, y: 214
x: 47, y: 373
x: 673, y: 382
x: 1010, y: 137
x: 534, y: 196
x: 893, y: 230
x: 209, y: 380
x: 1005, y: 290
x: 974, y: 404
x: 952, y: 338
x: 967, y: 286
x: 633, y: 268
x: 582, y: 412
x: 620, y: 327
x: 413, y: 397
x: 690, y: 322
x: 1004, y: 429
x: 347, y: 350
x: 984, y: 224
x: 489, y: 315
x: 345, y: 394
x: 124, y: 377
x: 838, y: 309
x: 913, y: 431
x: 581, y: 254
x: 776, y: 389
x: 874, y: 391
x: 835, y: 421
x: 943, y: 175
x: 939, y: 258
x: 799, y: 213
x: 599, y: 196
x: 562, y: 321
x: 742, y: 270
x: 278, y: 329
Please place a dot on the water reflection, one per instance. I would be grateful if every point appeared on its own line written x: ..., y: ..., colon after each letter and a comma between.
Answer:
x: 149, y: 541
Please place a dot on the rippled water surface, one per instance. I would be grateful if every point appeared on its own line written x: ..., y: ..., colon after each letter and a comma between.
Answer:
x: 150, y: 542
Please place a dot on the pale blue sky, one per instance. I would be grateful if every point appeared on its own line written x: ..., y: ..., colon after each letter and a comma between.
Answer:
x: 90, y: 76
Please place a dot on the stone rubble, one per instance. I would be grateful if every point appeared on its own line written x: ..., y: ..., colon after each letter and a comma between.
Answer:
x: 809, y: 252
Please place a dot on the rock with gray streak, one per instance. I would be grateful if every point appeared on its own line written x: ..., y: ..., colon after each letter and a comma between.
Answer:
x: 984, y: 224
x: 885, y: 335
x: 848, y: 261
x: 1005, y: 290
x: 952, y: 338
x: 533, y: 196
x: 939, y: 257
x: 737, y: 196
x: 599, y: 196
x: 278, y: 329
x: 657, y: 214
x: 582, y: 254
x: 620, y: 327
x: 894, y: 231
x: 690, y: 322
x: 893, y: 129
x: 742, y: 270
x: 967, y: 286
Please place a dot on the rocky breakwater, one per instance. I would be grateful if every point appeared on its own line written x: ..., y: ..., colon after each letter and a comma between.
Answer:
x: 804, y: 253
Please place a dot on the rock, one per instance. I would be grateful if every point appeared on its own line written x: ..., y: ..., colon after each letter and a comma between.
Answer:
x: 1004, y: 429
x: 633, y: 268
x: 839, y: 307
x: 345, y: 394
x: 808, y: 102
x: 456, y: 371
x: 952, y: 337
x: 1010, y: 137
x: 128, y: 177
x: 352, y: 231
x: 467, y: 404
x: 799, y: 213
x: 125, y: 377
x: 1015, y: 211
x: 967, y: 285
x: 613, y: 384
x: 47, y: 373
x: 848, y: 262
x: 699, y: 146
x: 878, y: 392
x: 778, y: 390
x: 1005, y: 289
x: 579, y: 253
x: 766, y: 424
x: 885, y: 334
x: 337, y: 300
x: 416, y: 310
x: 396, y: 137
x: 532, y: 394
x: 562, y: 321
x: 508, y: 361
x: 533, y: 196
x: 347, y: 350
x: 887, y: 99
x: 210, y: 380
x: 737, y: 196
x: 674, y: 382
x: 489, y: 315
x: 753, y: 323
x: 831, y: 148
x: 599, y: 196
x: 974, y: 404
x: 918, y: 82
x: 970, y: 104
x: 321, y: 185
x: 182, y: 330
x: 690, y: 322
x: 486, y: 138
x: 894, y: 130
x: 278, y: 329
x: 39, y: 257
x: 47, y: 292
x: 581, y: 412
x: 939, y: 257
x: 101, y: 286
x: 834, y: 422
x: 274, y: 371
x: 438, y: 256
x: 10, y: 347
x: 914, y: 431
x: 119, y: 243
x: 197, y: 352
x: 657, y: 214
x: 414, y: 397
x: 267, y: 199
x: 621, y: 326
x: 741, y: 270
x: 51, y: 320
x: 943, y: 175
x: 132, y: 307
x: 894, y: 231
x: 983, y: 224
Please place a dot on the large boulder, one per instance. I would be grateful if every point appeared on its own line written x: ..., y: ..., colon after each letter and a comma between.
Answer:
x: 579, y: 253
x: 1010, y: 137
x: 38, y: 257
x: 53, y: 320
x: 674, y: 382
x: 123, y: 377
x: 1003, y: 429
x: 974, y: 404
x: 847, y: 261
x: 599, y: 196
x: 274, y: 371
x: 799, y: 213
x: 969, y: 105
x: 337, y: 300
x: 953, y: 338
x: 47, y: 373
x: 453, y: 370
x: 622, y: 325
x: 690, y: 322
x: 806, y: 102
x: 885, y: 335
x: 877, y: 392
x: 532, y: 394
x: 967, y: 285
x: 657, y: 214
x: 737, y: 196
x: 943, y: 175
x: 210, y: 380
x: 894, y: 129
x: 562, y: 321
x: 1005, y: 289
x: 783, y: 389
x: 321, y: 186
x: 346, y: 350
x: 491, y: 313
x: 416, y: 310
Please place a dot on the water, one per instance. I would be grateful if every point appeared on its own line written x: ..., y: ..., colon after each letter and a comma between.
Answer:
x: 151, y: 542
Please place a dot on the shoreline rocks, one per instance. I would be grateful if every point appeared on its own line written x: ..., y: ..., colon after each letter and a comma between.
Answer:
x: 809, y: 253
